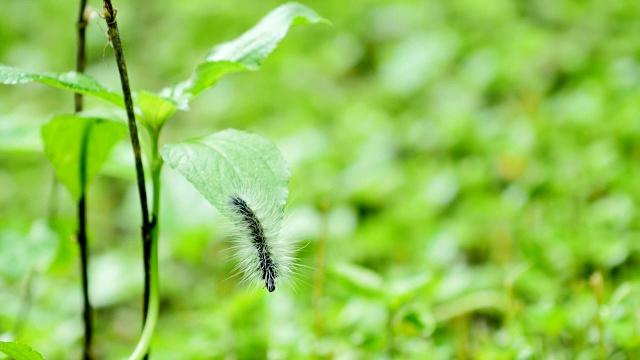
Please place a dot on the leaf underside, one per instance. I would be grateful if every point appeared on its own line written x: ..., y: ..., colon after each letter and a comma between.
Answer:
x: 230, y: 162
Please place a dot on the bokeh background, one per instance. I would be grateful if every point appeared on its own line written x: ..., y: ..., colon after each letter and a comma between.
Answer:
x: 471, y: 166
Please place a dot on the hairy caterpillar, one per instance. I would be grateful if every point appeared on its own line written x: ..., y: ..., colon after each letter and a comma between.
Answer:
x: 258, y: 239
x: 263, y: 256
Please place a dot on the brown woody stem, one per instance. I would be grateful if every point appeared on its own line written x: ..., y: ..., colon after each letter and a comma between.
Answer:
x: 114, y: 36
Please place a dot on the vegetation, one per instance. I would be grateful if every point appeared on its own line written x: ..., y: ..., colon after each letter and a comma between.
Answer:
x: 462, y: 182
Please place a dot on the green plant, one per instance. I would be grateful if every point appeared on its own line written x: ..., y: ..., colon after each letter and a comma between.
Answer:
x: 229, y: 168
x: 19, y: 351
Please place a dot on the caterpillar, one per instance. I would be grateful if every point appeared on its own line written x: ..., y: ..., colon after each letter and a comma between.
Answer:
x: 250, y: 190
x: 256, y: 233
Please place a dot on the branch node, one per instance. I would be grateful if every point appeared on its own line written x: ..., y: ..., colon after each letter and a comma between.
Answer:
x: 109, y: 14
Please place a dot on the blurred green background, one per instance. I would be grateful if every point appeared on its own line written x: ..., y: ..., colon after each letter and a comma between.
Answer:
x: 477, y: 161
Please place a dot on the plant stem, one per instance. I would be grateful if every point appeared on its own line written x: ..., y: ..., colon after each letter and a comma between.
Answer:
x: 152, y: 314
x: 25, y: 304
x: 597, y: 282
x: 147, y: 227
x: 52, y: 208
x: 82, y: 205
x: 82, y: 243
x: 461, y: 325
x: 319, y: 276
x: 80, y: 50
x: 156, y: 168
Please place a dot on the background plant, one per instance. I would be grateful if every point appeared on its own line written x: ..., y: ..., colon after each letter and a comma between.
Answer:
x: 478, y: 159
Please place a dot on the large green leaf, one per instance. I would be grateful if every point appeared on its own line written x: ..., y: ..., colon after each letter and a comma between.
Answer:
x: 72, y: 81
x: 19, y: 351
x: 244, y: 53
x: 233, y: 163
x: 64, y: 138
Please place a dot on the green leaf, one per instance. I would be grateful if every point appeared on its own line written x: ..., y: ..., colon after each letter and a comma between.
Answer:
x: 230, y: 162
x: 22, y: 252
x: 155, y: 110
x: 18, y: 351
x: 64, y: 137
x: 407, y: 286
x: 244, y: 53
x: 72, y: 81
x: 359, y: 278
x: 19, y: 137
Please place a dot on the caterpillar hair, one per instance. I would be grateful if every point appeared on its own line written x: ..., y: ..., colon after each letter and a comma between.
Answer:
x: 264, y: 256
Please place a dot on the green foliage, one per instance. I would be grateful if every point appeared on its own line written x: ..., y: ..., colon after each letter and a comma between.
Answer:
x: 70, y: 81
x: 478, y: 162
x: 76, y: 153
x: 18, y: 351
x: 231, y: 162
x: 71, y: 140
x: 29, y: 250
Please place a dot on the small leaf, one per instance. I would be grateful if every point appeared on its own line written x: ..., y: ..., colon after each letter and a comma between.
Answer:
x: 18, y: 351
x: 232, y: 161
x: 72, y: 81
x: 244, y: 53
x: 413, y: 320
x: 359, y: 277
x: 63, y: 140
x: 407, y: 286
x: 155, y: 110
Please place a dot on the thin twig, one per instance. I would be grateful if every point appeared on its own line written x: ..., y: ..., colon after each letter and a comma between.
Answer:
x: 318, y: 284
x: 87, y: 312
x: 597, y: 282
x: 25, y: 304
x: 80, y: 50
x: 114, y: 36
x: 52, y: 207
x: 319, y: 275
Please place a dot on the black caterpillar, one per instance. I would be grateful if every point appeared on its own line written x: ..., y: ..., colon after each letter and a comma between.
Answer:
x: 256, y: 232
